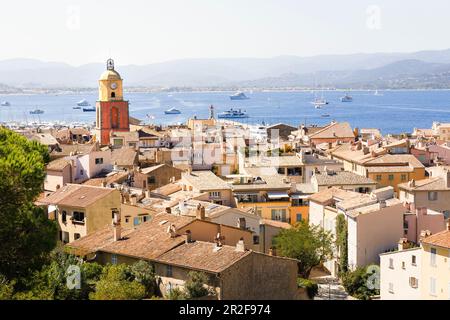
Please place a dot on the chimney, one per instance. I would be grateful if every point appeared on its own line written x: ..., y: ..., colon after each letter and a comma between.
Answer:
x: 412, y: 183
x: 188, y: 236
x: 201, y: 214
x: 133, y: 200
x: 447, y: 178
x: 242, y: 224
x: 424, y: 234
x: 147, y: 193
x: 240, y: 246
x: 218, y: 240
x: 172, y: 230
x: 272, y: 251
x: 402, y: 244
x: 116, y: 224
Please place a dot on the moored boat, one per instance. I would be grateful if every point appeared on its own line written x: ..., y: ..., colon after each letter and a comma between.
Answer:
x: 172, y: 111
x: 239, y: 96
x: 232, y: 114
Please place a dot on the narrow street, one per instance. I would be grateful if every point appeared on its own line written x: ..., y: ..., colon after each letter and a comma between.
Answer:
x: 331, y: 289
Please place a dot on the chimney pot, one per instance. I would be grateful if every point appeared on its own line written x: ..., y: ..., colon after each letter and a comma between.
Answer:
x: 117, y: 225
x: 240, y: 245
x: 188, y: 236
x: 272, y: 251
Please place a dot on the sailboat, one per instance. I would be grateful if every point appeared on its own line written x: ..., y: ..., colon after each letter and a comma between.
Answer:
x: 376, y: 93
x: 318, y: 102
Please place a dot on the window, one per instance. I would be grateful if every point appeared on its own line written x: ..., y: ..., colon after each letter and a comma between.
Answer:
x: 127, y: 219
x: 432, y: 286
x: 64, y: 237
x: 432, y: 195
x: 169, y: 271
x: 64, y: 216
x: 81, y: 172
x: 413, y: 260
x: 391, y: 287
x: 114, y: 258
x: 151, y: 180
x: 413, y: 282
x: 294, y: 171
x: 214, y: 194
x: 378, y: 177
x: 281, y: 171
x: 255, y: 239
x: 118, y: 142
x: 299, y: 203
x: 403, y: 265
x: 433, y: 257
x: 78, y: 217
x: 279, y: 215
x: 391, y: 263
x: 403, y: 177
x: 113, y: 94
x: 299, y: 217
x: 98, y: 160
x: 76, y: 236
x: 391, y: 177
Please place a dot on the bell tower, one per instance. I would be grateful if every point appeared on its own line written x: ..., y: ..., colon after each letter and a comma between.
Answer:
x: 111, y: 110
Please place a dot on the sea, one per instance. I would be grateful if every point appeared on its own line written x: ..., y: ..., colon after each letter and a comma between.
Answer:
x: 392, y: 111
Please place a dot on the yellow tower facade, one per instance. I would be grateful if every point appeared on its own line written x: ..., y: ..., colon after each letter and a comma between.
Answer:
x: 110, y: 84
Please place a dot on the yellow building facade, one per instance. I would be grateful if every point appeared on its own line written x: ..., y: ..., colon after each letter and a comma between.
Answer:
x: 435, y: 275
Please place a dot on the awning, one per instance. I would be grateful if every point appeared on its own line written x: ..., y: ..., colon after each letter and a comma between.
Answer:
x: 299, y: 196
x: 277, y: 194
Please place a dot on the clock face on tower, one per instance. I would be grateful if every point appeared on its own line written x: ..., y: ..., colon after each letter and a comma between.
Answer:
x: 114, y: 86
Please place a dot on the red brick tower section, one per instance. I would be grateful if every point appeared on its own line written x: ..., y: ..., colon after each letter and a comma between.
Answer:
x: 111, y: 109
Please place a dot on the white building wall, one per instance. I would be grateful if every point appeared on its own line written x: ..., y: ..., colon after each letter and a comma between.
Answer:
x: 316, y: 212
x: 395, y: 281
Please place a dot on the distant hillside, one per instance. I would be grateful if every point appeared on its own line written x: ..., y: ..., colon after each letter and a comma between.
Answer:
x: 428, y: 68
x: 401, y: 74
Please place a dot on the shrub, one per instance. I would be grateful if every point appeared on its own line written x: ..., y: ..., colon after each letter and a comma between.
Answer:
x: 195, y: 285
x: 311, y: 286
x: 355, y: 283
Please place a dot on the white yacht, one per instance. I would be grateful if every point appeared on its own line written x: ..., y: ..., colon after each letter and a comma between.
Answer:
x: 5, y: 104
x: 232, y: 114
x: 239, y: 96
x: 347, y: 98
x: 83, y: 103
x: 172, y: 111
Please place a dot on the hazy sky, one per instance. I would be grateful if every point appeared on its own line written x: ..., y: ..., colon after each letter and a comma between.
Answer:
x: 146, y: 31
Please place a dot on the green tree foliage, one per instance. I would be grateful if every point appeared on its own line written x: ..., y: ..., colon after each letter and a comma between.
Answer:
x: 356, y: 284
x: 311, y: 245
x: 195, y: 285
x: 342, y: 242
x: 144, y: 273
x: 117, y: 283
x: 6, y: 288
x: 176, y: 294
x: 50, y: 282
x: 26, y: 235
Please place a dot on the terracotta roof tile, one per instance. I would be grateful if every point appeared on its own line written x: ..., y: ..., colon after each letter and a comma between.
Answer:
x: 201, y: 255
x: 441, y: 239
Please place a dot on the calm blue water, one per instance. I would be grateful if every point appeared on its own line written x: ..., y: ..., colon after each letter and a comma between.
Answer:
x: 392, y: 112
